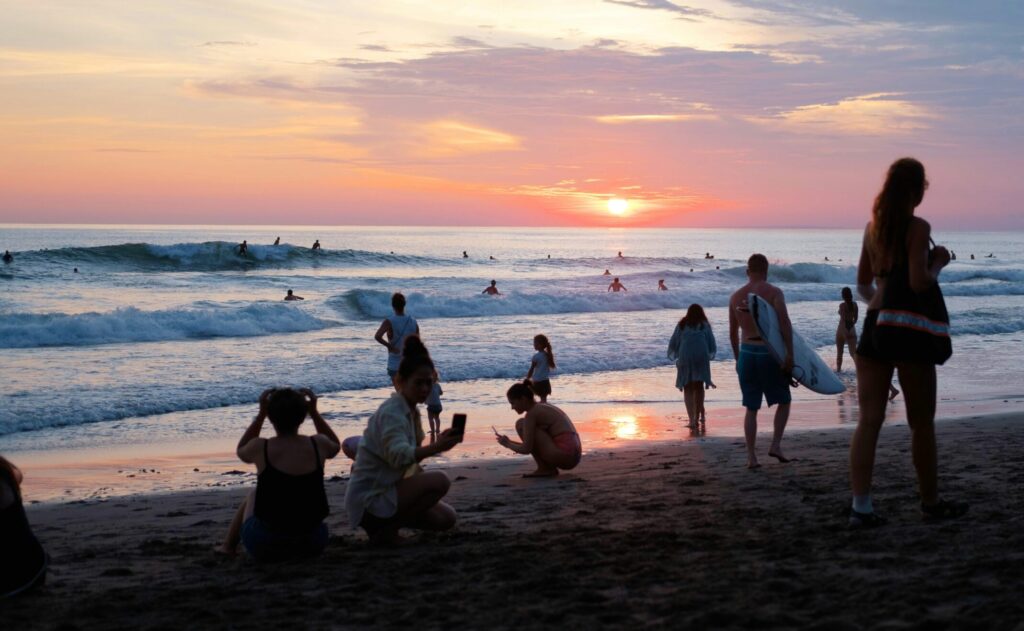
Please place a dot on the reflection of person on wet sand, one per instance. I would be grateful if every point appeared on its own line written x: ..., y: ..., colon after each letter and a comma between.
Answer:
x: 546, y: 432
x: 661, y: 285
x: 492, y: 290
x: 616, y: 286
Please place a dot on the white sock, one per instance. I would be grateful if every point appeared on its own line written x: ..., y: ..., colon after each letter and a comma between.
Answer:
x: 862, y: 503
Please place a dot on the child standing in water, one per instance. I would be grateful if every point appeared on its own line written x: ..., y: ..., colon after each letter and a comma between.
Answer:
x: 434, y: 407
x: 540, y: 367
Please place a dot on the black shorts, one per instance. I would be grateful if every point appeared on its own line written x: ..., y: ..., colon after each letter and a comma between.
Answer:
x: 542, y: 388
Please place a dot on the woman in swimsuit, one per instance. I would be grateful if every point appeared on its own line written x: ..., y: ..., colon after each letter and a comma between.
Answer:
x: 546, y: 433
x: 284, y: 515
x: 846, y: 332
x: 896, y: 242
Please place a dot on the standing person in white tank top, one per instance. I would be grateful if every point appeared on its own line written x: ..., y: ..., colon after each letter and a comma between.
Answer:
x: 393, y: 331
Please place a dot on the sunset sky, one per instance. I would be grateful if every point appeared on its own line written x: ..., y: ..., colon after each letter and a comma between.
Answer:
x: 717, y: 113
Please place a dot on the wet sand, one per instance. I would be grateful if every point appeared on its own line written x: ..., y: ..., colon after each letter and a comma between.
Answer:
x: 666, y: 534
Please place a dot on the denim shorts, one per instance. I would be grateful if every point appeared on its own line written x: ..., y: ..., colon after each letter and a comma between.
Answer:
x: 761, y: 376
x: 266, y: 544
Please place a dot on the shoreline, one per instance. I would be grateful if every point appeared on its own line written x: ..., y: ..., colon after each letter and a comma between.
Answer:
x: 652, y: 533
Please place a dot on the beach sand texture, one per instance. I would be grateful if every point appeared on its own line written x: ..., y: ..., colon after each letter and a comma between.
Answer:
x: 662, y: 534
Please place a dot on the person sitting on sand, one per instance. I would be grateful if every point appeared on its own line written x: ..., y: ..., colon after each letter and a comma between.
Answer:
x: 692, y: 347
x: 759, y: 374
x: 243, y: 248
x: 546, y: 433
x: 8, y: 257
x: 23, y: 561
x: 661, y: 285
x: 284, y: 515
x: 316, y: 245
x: 492, y: 290
x: 292, y: 296
x: 388, y: 489
x: 616, y: 286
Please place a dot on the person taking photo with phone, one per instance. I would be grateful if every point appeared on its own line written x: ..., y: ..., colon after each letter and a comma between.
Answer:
x: 388, y: 489
x: 546, y: 433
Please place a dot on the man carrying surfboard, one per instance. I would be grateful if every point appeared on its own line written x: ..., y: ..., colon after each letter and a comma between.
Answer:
x: 760, y: 374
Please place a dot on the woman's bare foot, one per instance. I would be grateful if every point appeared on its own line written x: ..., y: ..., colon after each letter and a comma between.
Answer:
x: 225, y: 550
x: 752, y: 463
x: 542, y: 473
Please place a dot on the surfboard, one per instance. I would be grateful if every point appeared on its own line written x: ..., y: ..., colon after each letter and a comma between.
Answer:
x: 809, y: 369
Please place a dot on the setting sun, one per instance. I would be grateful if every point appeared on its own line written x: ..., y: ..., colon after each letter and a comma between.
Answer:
x: 618, y: 206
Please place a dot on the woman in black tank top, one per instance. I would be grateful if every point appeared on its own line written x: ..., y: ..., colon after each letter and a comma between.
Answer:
x: 284, y: 515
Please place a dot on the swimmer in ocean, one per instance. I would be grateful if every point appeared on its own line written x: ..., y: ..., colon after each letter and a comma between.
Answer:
x: 8, y: 257
x: 277, y: 241
x: 606, y: 273
x: 661, y: 285
x: 243, y: 248
x: 492, y: 290
x: 292, y: 296
x: 616, y: 286
x: 316, y: 245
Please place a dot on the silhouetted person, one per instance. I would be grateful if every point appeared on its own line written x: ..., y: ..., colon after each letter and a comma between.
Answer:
x: 491, y: 257
x: 292, y: 296
x: 243, y: 248
x: 661, y: 285
x: 492, y: 290
x: 24, y: 561
x: 393, y: 332
x: 277, y: 241
x: 76, y: 270
x: 952, y: 255
x: 620, y: 254
x: 616, y: 286
x: 316, y: 245
x: 464, y: 255
x: 606, y: 273
x: 8, y: 257
x: 972, y: 257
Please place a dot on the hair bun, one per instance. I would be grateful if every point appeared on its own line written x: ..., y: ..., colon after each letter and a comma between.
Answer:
x: 414, y: 347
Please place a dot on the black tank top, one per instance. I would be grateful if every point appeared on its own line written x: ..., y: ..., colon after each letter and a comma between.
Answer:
x: 21, y: 556
x: 291, y: 503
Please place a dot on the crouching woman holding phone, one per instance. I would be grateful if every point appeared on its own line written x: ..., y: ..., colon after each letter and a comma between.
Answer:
x: 546, y: 432
x: 388, y: 490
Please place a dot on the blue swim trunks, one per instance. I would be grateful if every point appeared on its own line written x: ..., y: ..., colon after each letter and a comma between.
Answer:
x: 265, y: 544
x: 761, y: 376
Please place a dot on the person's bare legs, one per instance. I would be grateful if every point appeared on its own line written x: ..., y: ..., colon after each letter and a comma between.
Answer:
x: 873, y: 379
x: 699, y: 392
x: 548, y: 456
x: 234, y: 535
x: 919, y: 391
x: 691, y: 404
x: 418, y: 497
x: 781, y: 418
x: 750, y: 435
x: 839, y: 354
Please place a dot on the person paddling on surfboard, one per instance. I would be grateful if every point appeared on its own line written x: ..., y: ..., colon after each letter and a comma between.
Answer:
x: 760, y: 375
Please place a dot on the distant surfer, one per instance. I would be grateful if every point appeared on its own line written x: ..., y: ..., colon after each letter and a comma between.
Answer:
x: 8, y: 257
x: 616, y: 286
x: 316, y: 245
x: 277, y: 241
x: 759, y: 374
x: 708, y: 256
x: 76, y: 270
x: 952, y: 255
x: 661, y: 285
x: 972, y: 257
x: 620, y: 254
x: 243, y: 248
x: 394, y: 330
x: 492, y: 258
x: 464, y: 255
x: 492, y: 290
x: 606, y: 273
x: 292, y: 296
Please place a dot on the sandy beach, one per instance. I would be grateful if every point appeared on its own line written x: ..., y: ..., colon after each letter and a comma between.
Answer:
x: 661, y: 534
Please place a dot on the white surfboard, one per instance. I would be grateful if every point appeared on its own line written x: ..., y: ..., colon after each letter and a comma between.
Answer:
x: 808, y: 367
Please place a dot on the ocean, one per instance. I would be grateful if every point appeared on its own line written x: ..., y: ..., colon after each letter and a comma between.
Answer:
x: 165, y: 334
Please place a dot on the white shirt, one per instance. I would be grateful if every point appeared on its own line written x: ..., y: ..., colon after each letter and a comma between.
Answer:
x: 541, y: 371
x: 402, y: 326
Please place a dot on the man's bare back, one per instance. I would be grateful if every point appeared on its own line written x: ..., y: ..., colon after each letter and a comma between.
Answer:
x: 738, y: 307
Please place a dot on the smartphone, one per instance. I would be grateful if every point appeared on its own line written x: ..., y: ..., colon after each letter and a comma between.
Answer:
x: 495, y: 432
x: 458, y: 424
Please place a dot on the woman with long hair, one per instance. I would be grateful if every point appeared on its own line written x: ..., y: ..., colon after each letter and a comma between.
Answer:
x: 692, y: 347
x: 388, y: 489
x: 895, y: 254
x: 541, y: 365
